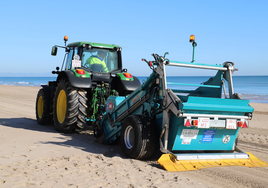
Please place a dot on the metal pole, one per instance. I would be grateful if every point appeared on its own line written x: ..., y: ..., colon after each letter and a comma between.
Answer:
x: 194, y: 45
x: 165, y: 123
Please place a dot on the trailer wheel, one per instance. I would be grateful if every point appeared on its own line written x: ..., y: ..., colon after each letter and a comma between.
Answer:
x: 138, y: 137
x: 69, y: 107
x: 42, y: 112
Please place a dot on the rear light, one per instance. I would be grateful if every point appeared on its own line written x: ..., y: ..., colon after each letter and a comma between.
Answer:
x: 242, y: 124
x: 80, y: 71
x: 195, y: 122
x: 127, y: 75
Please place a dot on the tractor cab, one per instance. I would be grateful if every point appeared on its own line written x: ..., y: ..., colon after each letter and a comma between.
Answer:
x: 89, y: 64
x: 100, y: 60
x: 93, y: 57
x: 96, y: 61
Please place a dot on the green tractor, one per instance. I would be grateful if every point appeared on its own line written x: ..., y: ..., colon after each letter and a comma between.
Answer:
x: 90, y: 73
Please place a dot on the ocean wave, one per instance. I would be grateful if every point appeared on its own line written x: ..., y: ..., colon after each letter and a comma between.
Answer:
x: 25, y: 81
x: 21, y: 83
x: 245, y: 94
x: 255, y: 98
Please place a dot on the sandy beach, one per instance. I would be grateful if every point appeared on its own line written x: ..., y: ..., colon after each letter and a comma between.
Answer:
x: 32, y: 155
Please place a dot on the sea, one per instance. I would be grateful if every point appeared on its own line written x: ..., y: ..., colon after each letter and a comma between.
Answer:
x: 253, y: 88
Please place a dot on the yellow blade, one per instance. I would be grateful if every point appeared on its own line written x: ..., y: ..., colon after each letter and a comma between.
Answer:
x: 170, y: 163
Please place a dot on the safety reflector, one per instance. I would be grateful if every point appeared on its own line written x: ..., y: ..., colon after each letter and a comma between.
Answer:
x: 245, y: 125
x: 187, y: 124
x: 242, y: 124
x: 170, y: 163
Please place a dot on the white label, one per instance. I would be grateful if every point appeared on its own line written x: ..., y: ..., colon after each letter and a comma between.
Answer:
x: 231, y: 124
x: 186, y: 141
x: 189, y: 134
x: 203, y: 123
x: 76, y: 63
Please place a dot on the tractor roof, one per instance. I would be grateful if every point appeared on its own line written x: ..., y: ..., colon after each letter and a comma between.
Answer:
x: 78, y: 44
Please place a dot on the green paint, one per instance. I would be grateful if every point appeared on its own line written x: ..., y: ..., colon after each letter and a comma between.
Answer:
x: 122, y: 77
x: 86, y: 75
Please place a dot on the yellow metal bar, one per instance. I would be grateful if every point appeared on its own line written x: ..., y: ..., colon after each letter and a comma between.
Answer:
x: 170, y: 163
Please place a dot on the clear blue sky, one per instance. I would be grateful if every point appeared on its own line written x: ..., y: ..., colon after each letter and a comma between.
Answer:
x: 226, y: 30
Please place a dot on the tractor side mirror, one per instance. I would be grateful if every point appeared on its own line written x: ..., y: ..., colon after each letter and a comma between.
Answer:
x: 54, y: 50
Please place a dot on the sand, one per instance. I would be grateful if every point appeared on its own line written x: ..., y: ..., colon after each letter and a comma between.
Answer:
x: 32, y: 155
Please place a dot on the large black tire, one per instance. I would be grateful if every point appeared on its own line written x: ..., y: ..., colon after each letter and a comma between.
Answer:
x: 69, y: 107
x: 42, y: 109
x: 138, y: 137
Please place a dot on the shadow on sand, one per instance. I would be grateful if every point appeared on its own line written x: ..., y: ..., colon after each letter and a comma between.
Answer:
x: 83, y: 140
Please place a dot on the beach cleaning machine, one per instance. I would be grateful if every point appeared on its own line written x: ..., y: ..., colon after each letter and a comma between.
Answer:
x: 194, y: 129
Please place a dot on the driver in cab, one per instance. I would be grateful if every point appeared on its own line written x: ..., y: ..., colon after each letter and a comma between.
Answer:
x: 98, y: 61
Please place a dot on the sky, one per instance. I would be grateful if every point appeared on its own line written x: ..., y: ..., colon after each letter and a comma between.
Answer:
x: 229, y: 30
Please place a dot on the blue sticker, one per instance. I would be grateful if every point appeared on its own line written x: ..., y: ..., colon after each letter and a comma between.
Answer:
x: 208, y: 136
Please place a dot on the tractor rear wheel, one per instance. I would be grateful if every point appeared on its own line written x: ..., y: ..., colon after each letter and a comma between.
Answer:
x: 69, y: 107
x: 138, y: 137
x: 42, y: 110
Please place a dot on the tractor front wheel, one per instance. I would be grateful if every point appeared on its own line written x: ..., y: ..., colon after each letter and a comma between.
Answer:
x: 69, y: 107
x: 138, y: 137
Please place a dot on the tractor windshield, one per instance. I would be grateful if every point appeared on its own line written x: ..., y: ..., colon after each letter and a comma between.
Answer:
x: 100, y: 60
